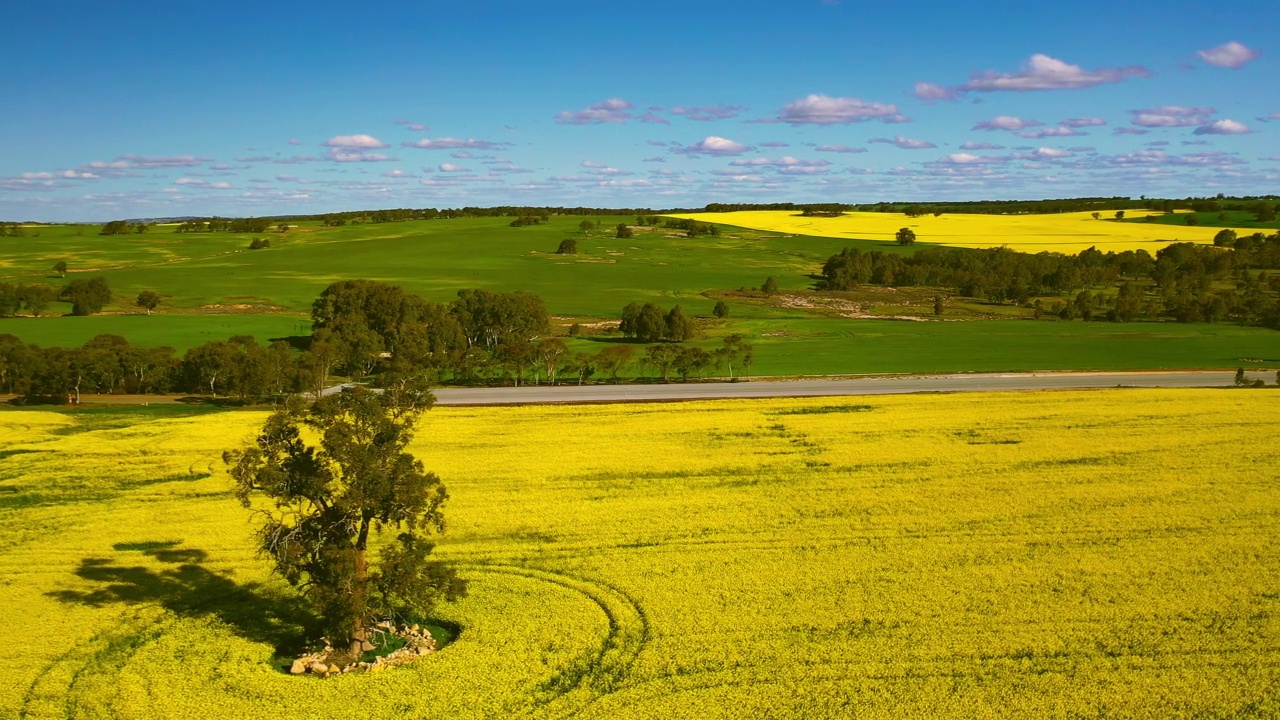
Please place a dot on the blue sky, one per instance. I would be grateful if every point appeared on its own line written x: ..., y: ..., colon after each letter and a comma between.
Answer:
x: 147, y: 109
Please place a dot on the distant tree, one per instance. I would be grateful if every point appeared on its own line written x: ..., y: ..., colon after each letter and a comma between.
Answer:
x: 651, y: 324
x: 568, y: 246
x: 630, y: 314
x: 624, y: 232
x: 36, y: 297
x: 937, y: 304
x: 586, y: 226
x: 575, y: 330
x: 913, y: 211
x: 552, y: 354
x: 691, y: 361
x: 614, y: 360
x: 721, y: 310
x: 282, y: 228
x: 115, y: 227
x: 1266, y: 212
x: 1192, y: 220
x: 87, y: 296
x: 1241, y: 379
x: 1096, y: 215
x: 259, y: 244
x: 679, y: 326
x: 662, y: 357
x: 337, y: 474
x: 1225, y: 238
x: 733, y: 351
x: 583, y: 365
x: 60, y: 267
x: 1119, y: 214
x: 770, y: 286
x: 905, y: 236
x: 148, y: 300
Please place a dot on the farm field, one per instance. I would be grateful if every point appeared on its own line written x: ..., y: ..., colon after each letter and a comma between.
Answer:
x: 1088, y: 554
x: 1059, y: 232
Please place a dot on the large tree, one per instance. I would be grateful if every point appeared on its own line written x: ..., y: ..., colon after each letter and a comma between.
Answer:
x: 87, y: 296
x: 329, y: 477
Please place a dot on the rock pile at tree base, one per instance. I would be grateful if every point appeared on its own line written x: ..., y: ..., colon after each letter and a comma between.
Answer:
x: 326, y: 662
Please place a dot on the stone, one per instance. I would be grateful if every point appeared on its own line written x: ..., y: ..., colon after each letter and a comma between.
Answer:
x: 319, y: 668
x: 356, y: 647
x: 366, y: 646
x: 299, y: 666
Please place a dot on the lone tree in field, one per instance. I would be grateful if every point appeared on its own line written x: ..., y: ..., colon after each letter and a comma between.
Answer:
x: 905, y: 236
x: 770, y: 286
x: 721, y: 310
x: 624, y: 231
x: 332, y: 475
x: 86, y: 296
x: 60, y: 267
x: 148, y: 300
x: 568, y: 246
x: 586, y: 226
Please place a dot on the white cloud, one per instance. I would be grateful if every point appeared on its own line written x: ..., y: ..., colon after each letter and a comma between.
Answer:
x: 451, y: 168
x: 980, y: 146
x: 593, y: 164
x: 827, y: 110
x: 189, y: 181
x: 1044, y: 153
x: 1229, y: 55
x: 449, y: 143
x: 1007, y: 122
x: 840, y: 149
x: 1050, y: 132
x: 970, y: 159
x: 1171, y: 116
x: 398, y: 173
x: 905, y: 143
x: 1083, y: 122
x: 714, y: 145
x: 1223, y: 127
x: 1042, y: 72
x: 354, y: 142
x: 708, y: 113
x: 613, y: 110
x: 930, y: 92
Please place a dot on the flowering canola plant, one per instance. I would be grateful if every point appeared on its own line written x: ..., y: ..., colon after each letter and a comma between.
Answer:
x: 1067, y: 233
x: 980, y: 555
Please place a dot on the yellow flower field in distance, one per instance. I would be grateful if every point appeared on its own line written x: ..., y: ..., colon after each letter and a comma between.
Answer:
x: 1059, y: 232
x: 1044, y: 554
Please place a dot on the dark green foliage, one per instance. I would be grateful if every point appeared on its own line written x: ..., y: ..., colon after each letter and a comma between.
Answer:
x: 60, y: 267
x: 586, y: 226
x: 17, y: 299
x: 330, y: 497
x: 87, y: 296
x: 651, y: 324
x: 1225, y: 238
x: 662, y: 357
x: 568, y: 246
x: 259, y: 244
x: 692, y: 361
x: 614, y: 360
x: 678, y: 326
x: 937, y: 305
x: 148, y: 300
x: 735, y: 352
x: 721, y: 310
x: 905, y: 236
x: 770, y: 286
x: 623, y: 231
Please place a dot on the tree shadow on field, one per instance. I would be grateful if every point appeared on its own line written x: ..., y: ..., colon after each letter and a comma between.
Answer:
x: 189, y: 589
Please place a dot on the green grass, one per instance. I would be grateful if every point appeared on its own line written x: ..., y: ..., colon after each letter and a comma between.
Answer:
x: 1233, y: 219
x: 214, y: 288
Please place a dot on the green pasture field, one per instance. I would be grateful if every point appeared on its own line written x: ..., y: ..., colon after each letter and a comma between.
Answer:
x: 214, y: 288
x: 1234, y: 219
x: 1080, y: 554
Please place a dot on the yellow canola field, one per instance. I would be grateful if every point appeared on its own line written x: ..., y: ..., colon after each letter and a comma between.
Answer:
x: 1051, y: 554
x: 1060, y: 232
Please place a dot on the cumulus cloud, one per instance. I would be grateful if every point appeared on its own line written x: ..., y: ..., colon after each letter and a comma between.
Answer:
x: 840, y: 149
x: 354, y: 142
x: 1229, y: 55
x: 1050, y: 132
x: 1042, y: 72
x: 708, y: 113
x: 931, y: 93
x: 1080, y: 122
x: 1171, y: 116
x: 1223, y: 127
x: 904, y: 142
x: 1044, y: 153
x: 827, y: 110
x: 970, y: 159
x: 714, y: 145
x: 449, y: 143
x: 343, y: 155
x: 1007, y: 122
x: 613, y: 110
x: 980, y: 146
x: 652, y: 118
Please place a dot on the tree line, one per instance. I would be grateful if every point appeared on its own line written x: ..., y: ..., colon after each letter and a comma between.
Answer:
x: 1183, y: 281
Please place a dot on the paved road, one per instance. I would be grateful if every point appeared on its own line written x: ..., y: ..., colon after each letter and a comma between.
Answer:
x: 818, y: 388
